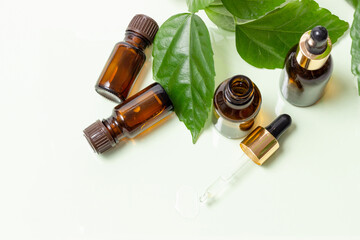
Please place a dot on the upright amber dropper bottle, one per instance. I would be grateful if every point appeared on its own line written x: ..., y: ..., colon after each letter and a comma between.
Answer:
x: 130, y: 118
x: 308, y: 68
x: 127, y: 59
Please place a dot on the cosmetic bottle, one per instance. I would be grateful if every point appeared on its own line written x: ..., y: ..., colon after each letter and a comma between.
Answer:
x: 307, y: 69
x: 127, y: 59
x: 257, y: 148
x: 130, y: 118
x: 237, y: 102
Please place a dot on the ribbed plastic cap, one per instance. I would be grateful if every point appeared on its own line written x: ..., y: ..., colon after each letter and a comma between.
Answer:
x: 99, y: 137
x: 144, y: 25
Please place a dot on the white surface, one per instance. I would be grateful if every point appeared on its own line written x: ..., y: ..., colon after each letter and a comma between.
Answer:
x: 54, y: 187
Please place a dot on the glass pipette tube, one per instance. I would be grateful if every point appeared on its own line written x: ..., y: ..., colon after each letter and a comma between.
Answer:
x: 221, y: 184
x: 257, y: 147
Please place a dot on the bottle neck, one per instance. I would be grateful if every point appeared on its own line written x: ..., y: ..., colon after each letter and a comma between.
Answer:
x: 306, y: 59
x: 136, y: 40
x: 114, y: 128
x: 239, y: 92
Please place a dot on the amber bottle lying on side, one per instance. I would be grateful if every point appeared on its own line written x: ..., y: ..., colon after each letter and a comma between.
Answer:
x: 127, y: 59
x: 130, y: 118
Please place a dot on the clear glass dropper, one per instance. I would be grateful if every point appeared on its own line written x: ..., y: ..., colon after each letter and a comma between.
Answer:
x: 257, y: 147
x: 219, y: 186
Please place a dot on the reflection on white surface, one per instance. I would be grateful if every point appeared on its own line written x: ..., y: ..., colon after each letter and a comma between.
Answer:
x: 279, y: 105
x: 223, y: 182
x: 187, y: 204
x: 217, y: 138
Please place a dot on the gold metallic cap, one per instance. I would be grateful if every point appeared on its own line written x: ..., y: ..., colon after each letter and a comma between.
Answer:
x: 308, y: 60
x: 259, y: 145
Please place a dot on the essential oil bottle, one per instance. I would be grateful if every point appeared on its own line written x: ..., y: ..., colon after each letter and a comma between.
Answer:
x: 307, y: 69
x: 127, y: 59
x: 237, y: 102
x: 130, y: 118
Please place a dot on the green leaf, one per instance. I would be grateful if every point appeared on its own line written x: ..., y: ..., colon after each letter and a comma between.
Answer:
x: 251, y: 9
x: 353, y: 3
x: 219, y: 15
x: 265, y: 42
x: 183, y: 64
x: 196, y: 5
x: 355, y: 46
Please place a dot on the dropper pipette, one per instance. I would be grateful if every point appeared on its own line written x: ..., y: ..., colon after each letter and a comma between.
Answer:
x: 257, y: 147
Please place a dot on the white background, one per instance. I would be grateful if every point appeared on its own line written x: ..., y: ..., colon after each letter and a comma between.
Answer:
x: 52, y: 186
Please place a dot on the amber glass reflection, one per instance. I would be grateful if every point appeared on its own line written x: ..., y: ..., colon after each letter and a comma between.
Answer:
x: 122, y: 67
x: 139, y: 112
x: 302, y: 87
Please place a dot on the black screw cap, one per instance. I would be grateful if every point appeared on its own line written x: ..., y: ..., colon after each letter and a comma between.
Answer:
x: 319, y: 36
x: 279, y: 125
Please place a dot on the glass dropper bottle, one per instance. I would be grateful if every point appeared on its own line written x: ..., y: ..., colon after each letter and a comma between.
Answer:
x: 258, y: 146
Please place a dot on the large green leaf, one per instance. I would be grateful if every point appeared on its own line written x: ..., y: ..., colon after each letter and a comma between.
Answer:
x: 183, y: 64
x: 265, y: 42
x: 353, y: 3
x: 196, y: 5
x: 219, y: 15
x: 251, y: 9
x: 355, y: 46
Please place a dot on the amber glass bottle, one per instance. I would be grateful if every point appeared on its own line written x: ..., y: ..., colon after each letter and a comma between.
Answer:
x: 237, y: 102
x: 130, y: 118
x: 307, y: 69
x: 127, y: 59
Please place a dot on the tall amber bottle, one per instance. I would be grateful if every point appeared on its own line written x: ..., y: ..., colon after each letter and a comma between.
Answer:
x: 237, y: 102
x: 127, y: 59
x: 130, y: 118
x: 307, y: 69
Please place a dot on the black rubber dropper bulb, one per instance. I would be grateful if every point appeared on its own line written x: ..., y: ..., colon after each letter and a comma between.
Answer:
x: 317, y: 43
x: 279, y: 125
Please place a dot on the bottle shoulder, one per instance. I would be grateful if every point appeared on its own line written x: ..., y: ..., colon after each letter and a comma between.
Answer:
x: 131, y: 49
x: 294, y: 70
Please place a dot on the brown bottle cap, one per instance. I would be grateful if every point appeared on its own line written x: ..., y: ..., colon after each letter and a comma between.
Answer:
x: 99, y: 137
x: 144, y: 25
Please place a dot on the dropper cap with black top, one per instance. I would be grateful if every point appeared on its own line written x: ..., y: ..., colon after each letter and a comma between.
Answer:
x: 261, y: 143
x: 317, y: 43
x: 258, y: 146
x: 279, y: 125
x: 314, y: 48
